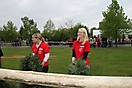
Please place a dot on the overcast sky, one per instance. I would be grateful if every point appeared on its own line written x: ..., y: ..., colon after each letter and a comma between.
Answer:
x: 88, y: 12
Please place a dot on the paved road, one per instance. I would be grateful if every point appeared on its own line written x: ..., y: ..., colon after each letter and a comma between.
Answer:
x: 124, y: 45
x: 57, y: 46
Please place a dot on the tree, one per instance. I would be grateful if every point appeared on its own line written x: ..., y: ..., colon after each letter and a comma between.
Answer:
x: 9, y: 32
x: 48, y: 29
x: 49, y: 26
x: 47, y: 34
x: 68, y: 24
x: 73, y: 31
x: 1, y: 34
x: 63, y: 34
x: 60, y: 35
x: 115, y: 22
x: 28, y: 28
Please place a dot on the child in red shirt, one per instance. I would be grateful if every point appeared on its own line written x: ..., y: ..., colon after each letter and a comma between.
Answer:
x: 81, y: 47
x: 41, y: 50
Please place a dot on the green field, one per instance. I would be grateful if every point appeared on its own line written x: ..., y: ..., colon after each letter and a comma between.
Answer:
x: 104, y: 62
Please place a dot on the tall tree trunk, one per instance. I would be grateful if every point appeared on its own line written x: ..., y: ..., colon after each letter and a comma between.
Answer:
x: 116, y: 39
x: 116, y: 42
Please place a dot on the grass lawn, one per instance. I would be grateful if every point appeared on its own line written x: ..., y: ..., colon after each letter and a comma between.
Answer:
x: 104, y: 62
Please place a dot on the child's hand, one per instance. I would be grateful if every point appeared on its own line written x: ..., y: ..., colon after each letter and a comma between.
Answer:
x: 73, y: 58
x: 43, y: 63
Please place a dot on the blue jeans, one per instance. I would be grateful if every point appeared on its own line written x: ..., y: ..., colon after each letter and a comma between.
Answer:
x: 88, y: 67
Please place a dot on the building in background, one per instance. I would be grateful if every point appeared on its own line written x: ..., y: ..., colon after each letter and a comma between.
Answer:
x: 97, y: 33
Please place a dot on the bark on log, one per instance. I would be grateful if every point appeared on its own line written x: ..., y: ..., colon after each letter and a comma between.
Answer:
x: 65, y: 80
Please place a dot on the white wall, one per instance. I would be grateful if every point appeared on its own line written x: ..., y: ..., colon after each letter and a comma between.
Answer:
x: 96, y: 32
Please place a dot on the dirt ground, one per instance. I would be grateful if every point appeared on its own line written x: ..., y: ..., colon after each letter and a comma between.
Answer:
x: 13, y: 57
x: 20, y: 57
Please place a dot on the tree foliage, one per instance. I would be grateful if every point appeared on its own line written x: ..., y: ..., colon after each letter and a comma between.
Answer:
x: 73, y: 31
x: 4, y: 84
x: 28, y: 28
x: 1, y: 35
x: 78, y: 67
x: 49, y: 26
x: 9, y: 32
x: 115, y: 22
x: 31, y: 63
x: 59, y: 35
x: 68, y: 24
x: 63, y: 34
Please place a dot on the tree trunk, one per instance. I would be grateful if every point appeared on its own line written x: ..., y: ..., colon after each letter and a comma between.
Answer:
x: 65, y: 80
x: 116, y: 39
x: 116, y: 42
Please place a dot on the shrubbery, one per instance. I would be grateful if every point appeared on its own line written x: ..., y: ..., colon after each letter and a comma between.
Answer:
x: 78, y: 67
x: 31, y: 63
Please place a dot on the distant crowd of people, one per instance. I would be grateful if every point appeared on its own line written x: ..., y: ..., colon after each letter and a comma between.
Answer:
x: 19, y: 41
x: 95, y: 42
x: 100, y: 42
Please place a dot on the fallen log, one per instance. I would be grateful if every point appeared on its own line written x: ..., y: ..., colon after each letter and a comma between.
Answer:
x: 65, y: 80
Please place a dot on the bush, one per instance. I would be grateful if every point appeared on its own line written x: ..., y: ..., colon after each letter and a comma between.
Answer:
x: 78, y: 67
x: 4, y: 84
x: 31, y: 63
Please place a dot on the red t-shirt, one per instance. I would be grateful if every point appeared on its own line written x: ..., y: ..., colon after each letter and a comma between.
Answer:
x: 43, y: 49
x: 80, y: 49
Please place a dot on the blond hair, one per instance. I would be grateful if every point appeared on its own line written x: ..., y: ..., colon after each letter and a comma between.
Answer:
x: 39, y: 36
x: 86, y: 35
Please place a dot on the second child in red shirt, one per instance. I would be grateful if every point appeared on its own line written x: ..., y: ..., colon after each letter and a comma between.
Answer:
x: 41, y: 50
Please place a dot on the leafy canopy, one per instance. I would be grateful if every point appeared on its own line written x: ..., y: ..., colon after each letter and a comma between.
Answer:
x: 9, y: 32
x: 115, y: 22
x: 28, y: 28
